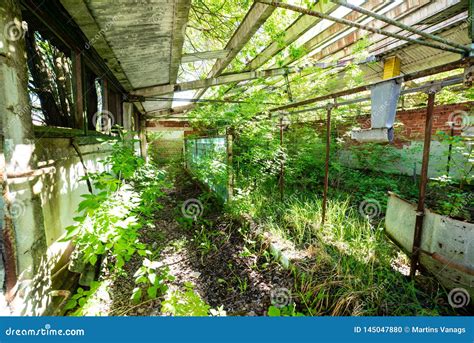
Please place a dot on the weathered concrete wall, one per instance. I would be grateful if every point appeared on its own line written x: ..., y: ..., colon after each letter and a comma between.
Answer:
x: 407, y: 160
x: 166, y: 146
x: 2, y: 252
x: 167, y: 139
x: 58, y: 183
x: 61, y: 186
x: 408, y: 144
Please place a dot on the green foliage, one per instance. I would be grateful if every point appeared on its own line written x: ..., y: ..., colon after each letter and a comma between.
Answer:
x: 110, y: 219
x: 107, y: 226
x: 203, y: 241
x: 285, y: 311
x: 461, y: 156
x: 188, y: 303
x: 153, y: 277
x: 80, y: 301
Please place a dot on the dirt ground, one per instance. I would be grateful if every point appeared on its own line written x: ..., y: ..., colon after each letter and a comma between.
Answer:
x: 229, y: 275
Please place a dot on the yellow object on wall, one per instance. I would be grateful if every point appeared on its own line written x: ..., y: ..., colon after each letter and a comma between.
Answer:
x: 391, y: 67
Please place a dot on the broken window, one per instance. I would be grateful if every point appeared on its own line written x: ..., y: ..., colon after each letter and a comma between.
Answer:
x: 50, y: 82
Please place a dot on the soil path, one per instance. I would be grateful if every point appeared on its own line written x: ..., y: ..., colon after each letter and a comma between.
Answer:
x: 225, y: 267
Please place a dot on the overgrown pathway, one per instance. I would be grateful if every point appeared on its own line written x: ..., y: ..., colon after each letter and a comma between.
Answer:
x: 211, y: 252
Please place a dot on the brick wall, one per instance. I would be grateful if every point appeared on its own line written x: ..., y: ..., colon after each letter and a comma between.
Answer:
x: 410, y: 124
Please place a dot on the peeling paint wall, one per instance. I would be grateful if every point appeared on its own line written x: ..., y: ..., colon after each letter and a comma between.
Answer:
x: 59, y: 185
x: 2, y: 267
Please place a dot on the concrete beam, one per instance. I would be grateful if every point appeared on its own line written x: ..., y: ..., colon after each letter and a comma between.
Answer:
x: 292, y: 33
x: 181, y: 12
x: 170, y: 111
x: 205, y: 55
x: 255, y: 18
x: 214, y: 81
x: 180, y: 18
x: 81, y: 14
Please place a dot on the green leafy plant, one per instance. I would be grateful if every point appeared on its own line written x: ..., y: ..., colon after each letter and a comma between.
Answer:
x: 153, y: 277
x: 188, y: 303
x: 110, y: 219
x: 285, y: 311
x: 79, y: 300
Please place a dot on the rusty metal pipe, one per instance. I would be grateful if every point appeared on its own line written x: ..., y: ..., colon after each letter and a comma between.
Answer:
x: 401, y: 25
x: 408, y: 77
x: 361, y: 26
x: 326, y: 171
x: 281, y: 182
x: 420, y: 211
x: 448, y: 262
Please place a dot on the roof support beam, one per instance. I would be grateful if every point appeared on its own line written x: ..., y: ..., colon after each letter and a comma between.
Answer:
x: 205, y: 55
x: 362, y: 27
x: 213, y: 81
x: 292, y: 33
x: 255, y: 18
x: 408, y: 77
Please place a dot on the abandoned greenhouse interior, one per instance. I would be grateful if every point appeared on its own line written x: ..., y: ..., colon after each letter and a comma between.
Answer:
x: 236, y: 158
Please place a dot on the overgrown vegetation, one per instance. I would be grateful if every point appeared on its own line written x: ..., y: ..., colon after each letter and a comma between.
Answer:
x: 107, y: 229
x: 356, y: 269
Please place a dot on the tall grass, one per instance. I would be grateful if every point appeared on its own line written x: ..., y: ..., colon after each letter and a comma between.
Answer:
x: 350, y: 268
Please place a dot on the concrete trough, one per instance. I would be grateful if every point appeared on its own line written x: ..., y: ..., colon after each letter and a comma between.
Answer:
x: 447, y: 243
x: 370, y: 135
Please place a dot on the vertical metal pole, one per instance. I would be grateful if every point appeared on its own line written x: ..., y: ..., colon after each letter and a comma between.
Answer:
x: 326, y: 171
x: 185, y: 154
x: 143, y: 142
x: 230, y: 169
x: 281, y: 182
x: 420, y: 211
x: 450, y: 149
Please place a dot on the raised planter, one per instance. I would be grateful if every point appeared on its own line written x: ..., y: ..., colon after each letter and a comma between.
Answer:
x: 447, y: 244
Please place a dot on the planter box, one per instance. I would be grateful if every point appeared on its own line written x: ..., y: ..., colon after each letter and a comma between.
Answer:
x: 447, y: 244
